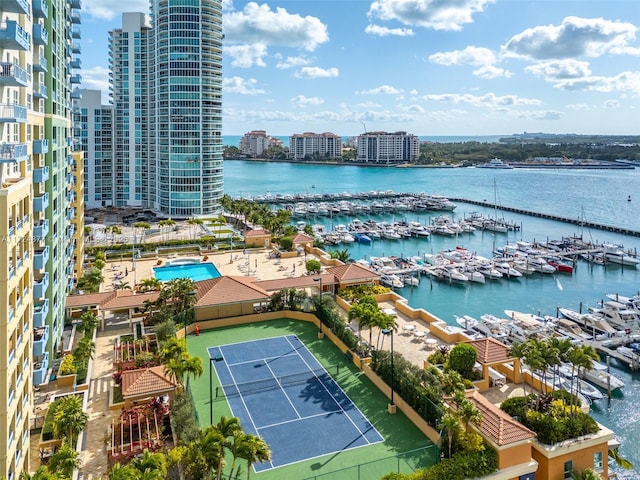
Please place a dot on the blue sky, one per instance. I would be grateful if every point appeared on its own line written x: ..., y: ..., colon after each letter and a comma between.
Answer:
x: 428, y: 67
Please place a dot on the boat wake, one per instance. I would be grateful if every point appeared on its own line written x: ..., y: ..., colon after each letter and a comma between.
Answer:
x: 560, y: 287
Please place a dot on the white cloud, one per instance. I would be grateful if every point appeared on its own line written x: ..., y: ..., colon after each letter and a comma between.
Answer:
x: 625, y: 83
x: 491, y: 71
x: 291, y: 62
x: 578, y: 106
x: 560, y: 69
x: 227, y: 5
x: 381, y: 90
x: 540, y: 114
x: 612, y: 104
x: 317, y: 72
x: 486, y: 100
x: 258, y: 23
x: 384, y: 31
x: 245, y: 56
x: 110, y: 9
x: 435, y: 14
x: 97, y: 78
x: 243, y: 86
x: 413, y: 108
x: 302, y: 101
x: 476, y: 56
x: 574, y: 37
x: 368, y: 105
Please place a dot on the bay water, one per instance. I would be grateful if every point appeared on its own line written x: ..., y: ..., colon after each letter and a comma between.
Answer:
x: 610, y: 197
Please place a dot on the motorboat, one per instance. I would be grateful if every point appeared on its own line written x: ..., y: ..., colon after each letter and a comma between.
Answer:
x: 466, y: 321
x: 494, y: 327
x: 489, y: 271
x: 559, y: 264
x: 450, y: 273
x: 615, y: 254
x: 540, y: 265
x: 591, y: 322
x: 523, y: 267
x: 507, y: 270
x: 410, y: 280
x: 391, y: 281
x: 618, y: 315
x: 391, y: 234
x: 570, y: 374
x: 600, y: 377
x: 361, y: 237
x: 473, y: 274
x: 495, y: 163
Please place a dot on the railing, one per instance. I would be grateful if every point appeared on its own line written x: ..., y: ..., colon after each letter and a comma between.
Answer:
x: 407, y: 462
x: 11, y: 70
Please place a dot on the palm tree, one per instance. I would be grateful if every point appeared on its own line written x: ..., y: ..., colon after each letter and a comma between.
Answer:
x: 150, y: 285
x: 587, y: 474
x: 42, y: 473
x: 342, y: 255
x: 450, y: 423
x: 518, y: 350
x: 195, y: 223
x: 452, y: 382
x: 468, y: 412
x: 225, y: 428
x: 64, y: 461
x: 156, y: 462
x: 123, y: 472
x: 142, y: 226
x: 173, y: 349
x: 88, y: 322
x: 85, y: 348
x: 582, y: 358
x: 253, y: 449
x: 122, y: 286
x: 621, y: 461
x: 69, y: 419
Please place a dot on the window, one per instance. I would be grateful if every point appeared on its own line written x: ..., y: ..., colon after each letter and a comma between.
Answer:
x: 568, y: 468
x: 597, y: 461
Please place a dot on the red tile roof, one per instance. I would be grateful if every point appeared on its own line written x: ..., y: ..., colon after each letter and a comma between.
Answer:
x: 352, y: 272
x: 496, y: 425
x: 490, y: 350
x: 146, y: 381
x: 301, y: 238
x: 222, y: 290
x: 88, y: 299
x: 303, y: 281
x: 127, y: 299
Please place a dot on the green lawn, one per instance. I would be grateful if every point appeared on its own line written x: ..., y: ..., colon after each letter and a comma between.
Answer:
x: 399, y: 433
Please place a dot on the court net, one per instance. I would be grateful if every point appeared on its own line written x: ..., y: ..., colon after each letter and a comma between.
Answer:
x: 235, y: 389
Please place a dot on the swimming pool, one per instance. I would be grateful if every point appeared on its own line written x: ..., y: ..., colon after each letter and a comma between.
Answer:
x: 194, y: 271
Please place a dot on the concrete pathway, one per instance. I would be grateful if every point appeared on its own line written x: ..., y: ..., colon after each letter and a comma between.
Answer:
x: 95, y: 454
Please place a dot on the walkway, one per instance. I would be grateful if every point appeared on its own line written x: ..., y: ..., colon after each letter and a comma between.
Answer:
x: 95, y: 453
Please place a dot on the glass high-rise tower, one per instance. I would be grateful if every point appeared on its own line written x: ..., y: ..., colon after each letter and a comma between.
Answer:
x: 167, y: 93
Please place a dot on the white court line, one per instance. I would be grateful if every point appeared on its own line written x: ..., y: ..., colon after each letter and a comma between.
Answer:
x: 283, y: 391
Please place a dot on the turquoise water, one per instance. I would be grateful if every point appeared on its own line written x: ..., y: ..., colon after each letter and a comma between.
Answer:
x: 196, y: 272
x: 593, y: 195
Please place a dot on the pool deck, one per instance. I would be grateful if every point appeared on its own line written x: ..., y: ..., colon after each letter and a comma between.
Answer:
x: 255, y: 263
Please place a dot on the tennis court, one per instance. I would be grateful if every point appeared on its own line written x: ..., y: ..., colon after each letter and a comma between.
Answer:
x: 279, y: 390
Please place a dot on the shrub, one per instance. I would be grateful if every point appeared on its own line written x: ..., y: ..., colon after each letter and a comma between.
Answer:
x: 463, y: 465
x: 286, y: 243
x: 68, y: 366
x: 165, y: 329
x: 313, y: 266
x: 462, y: 358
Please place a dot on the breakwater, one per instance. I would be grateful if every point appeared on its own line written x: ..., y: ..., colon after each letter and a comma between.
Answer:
x: 549, y: 216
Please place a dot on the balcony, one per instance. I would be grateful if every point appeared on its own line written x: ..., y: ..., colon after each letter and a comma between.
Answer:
x: 75, y: 63
x: 76, y: 32
x: 41, y: 230
x: 71, y: 230
x: 40, y: 368
x: 41, y: 146
x: 40, y: 258
x: 13, y: 75
x: 41, y: 203
x: 40, y: 175
x: 77, y: 78
x: 40, y: 91
x: 40, y: 65
x: 76, y: 48
x: 76, y: 94
x: 16, y: 6
x: 40, y: 312
x: 40, y: 35
x: 13, y: 152
x: 70, y: 196
x: 71, y: 213
x: 69, y: 252
x: 40, y: 339
x: 40, y: 286
x: 40, y: 8
x: 14, y: 37
x: 12, y: 113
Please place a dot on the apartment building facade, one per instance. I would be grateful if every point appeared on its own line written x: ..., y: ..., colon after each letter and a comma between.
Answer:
x: 255, y: 142
x: 309, y: 146
x: 385, y: 148
x: 38, y: 46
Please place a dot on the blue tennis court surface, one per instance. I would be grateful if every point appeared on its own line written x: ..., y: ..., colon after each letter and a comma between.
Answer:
x: 279, y: 391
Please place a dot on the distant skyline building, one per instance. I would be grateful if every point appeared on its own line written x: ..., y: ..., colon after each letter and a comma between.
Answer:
x: 383, y: 147
x: 311, y: 145
x: 166, y: 82
x: 96, y: 140
x: 255, y: 142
